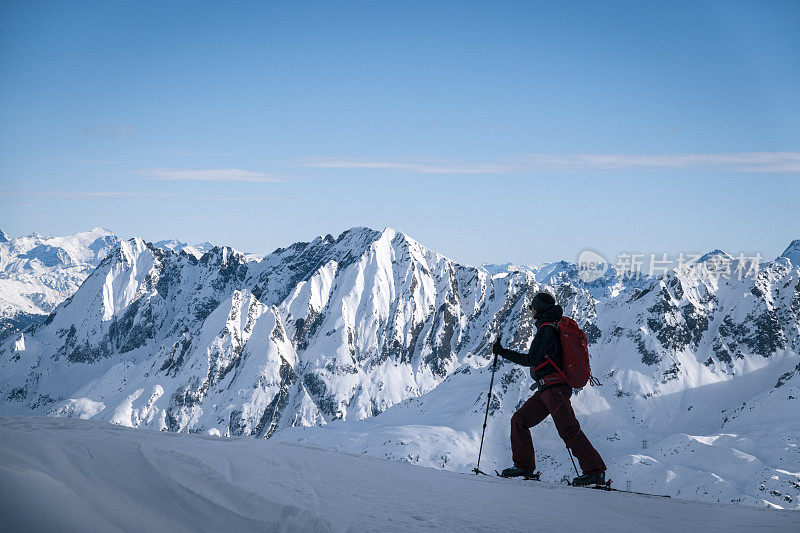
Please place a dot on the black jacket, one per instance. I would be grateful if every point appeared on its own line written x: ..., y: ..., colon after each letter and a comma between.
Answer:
x: 546, y: 343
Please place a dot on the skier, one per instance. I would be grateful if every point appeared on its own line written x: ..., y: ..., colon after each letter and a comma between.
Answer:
x: 551, y: 398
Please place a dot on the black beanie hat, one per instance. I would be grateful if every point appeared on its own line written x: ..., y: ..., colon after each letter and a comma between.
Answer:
x: 543, y: 301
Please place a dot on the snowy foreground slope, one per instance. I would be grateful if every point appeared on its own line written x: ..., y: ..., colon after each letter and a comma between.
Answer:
x: 75, y: 475
x: 372, y: 343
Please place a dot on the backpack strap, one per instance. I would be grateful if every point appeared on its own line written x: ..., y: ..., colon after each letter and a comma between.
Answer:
x: 548, y: 360
x: 558, y: 371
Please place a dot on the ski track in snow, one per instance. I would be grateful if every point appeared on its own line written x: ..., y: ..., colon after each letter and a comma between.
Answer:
x: 77, y: 475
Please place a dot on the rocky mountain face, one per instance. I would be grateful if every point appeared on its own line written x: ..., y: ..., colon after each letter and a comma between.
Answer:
x: 373, y: 327
x: 37, y: 273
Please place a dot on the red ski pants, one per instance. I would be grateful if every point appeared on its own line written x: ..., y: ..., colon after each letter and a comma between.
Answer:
x: 556, y: 403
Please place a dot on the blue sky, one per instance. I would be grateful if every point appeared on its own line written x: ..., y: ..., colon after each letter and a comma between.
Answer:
x: 491, y: 132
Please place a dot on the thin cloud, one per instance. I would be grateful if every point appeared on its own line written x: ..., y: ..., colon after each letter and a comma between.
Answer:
x: 746, y: 162
x: 212, y: 174
x: 421, y: 168
x: 771, y: 162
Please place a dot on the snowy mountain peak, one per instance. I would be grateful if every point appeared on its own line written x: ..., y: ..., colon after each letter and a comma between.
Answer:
x: 222, y: 255
x: 170, y: 244
x: 551, y: 272
x: 204, y: 246
x: 792, y: 252
x: 348, y: 245
x: 353, y: 242
x: 174, y: 245
x: 359, y: 234
x: 397, y: 236
x: 505, y: 268
x: 4, y: 237
x: 712, y: 254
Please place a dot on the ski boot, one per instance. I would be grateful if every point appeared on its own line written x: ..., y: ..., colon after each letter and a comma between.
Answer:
x: 515, y: 471
x: 596, y: 479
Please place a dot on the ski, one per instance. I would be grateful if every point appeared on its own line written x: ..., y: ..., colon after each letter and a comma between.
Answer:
x: 607, y: 487
x: 604, y: 486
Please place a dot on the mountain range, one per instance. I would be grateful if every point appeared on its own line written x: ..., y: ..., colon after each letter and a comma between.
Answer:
x: 373, y: 344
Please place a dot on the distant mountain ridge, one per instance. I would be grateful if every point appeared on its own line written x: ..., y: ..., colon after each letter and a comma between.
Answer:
x: 37, y: 273
x: 197, y: 250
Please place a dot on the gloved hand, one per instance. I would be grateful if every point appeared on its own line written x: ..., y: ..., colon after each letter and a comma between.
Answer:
x: 496, y: 347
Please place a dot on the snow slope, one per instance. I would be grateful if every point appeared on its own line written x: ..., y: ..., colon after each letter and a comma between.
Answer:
x: 752, y: 459
x: 75, y: 475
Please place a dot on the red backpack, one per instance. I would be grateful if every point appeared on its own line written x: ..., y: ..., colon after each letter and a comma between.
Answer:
x: 574, y: 354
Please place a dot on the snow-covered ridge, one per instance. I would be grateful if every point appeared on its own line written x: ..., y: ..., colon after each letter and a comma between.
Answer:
x: 792, y: 253
x: 371, y: 329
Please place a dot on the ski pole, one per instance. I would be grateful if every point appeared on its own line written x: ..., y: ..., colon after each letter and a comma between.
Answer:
x: 477, y: 468
x: 573, y: 461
